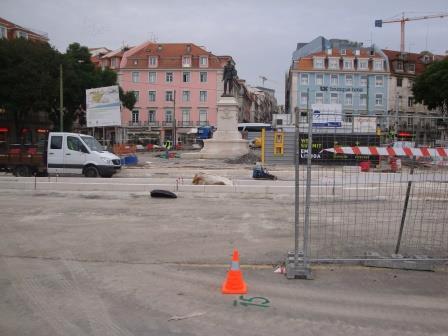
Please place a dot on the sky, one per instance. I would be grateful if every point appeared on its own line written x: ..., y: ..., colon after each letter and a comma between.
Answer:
x: 260, y: 35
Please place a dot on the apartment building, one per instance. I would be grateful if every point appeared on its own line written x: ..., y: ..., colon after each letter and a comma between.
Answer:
x: 10, y: 30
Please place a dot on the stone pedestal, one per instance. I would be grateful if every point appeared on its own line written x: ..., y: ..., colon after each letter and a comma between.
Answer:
x: 226, y: 142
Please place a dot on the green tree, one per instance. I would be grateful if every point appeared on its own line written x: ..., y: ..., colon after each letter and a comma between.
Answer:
x: 128, y: 99
x: 431, y: 87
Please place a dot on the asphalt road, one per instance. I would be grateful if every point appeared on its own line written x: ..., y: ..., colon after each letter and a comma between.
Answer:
x: 119, y: 263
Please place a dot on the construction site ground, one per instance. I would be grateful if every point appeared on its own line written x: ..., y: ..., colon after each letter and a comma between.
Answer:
x: 100, y: 257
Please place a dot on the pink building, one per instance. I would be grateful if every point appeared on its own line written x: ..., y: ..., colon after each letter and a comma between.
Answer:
x: 177, y: 86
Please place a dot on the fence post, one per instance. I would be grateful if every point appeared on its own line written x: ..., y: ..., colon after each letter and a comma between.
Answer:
x: 405, y: 208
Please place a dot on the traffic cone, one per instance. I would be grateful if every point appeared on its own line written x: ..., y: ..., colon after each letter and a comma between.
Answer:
x: 234, y: 283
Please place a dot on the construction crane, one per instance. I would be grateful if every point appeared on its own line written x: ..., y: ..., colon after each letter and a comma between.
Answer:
x: 403, y: 19
x: 264, y: 79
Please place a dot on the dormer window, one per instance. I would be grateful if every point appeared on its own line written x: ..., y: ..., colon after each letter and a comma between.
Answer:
x: 152, y: 61
x: 186, y: 61
x: 378, y: 65
x: 135, y: 62
x: 411, y: 67
x: 203, y: 61
x: 21, y: 34
x: 348, y: 64
x: 399, y: 66
x: 318, y: 63
x: 363, y: 64
x: 343, y: 51
x: 333, y: 63
x: 3, y: 32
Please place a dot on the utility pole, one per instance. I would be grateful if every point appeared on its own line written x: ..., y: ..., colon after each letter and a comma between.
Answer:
x: 397, y: 108
x: 61, y: 100
x: 174, y: 122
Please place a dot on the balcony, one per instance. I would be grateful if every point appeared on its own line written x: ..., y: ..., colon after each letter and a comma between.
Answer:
x: 167, y: 123
x: 203, y: 123
x: 184, y: 123
x: 143, y: 123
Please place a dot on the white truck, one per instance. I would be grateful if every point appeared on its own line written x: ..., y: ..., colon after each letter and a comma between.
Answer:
x: 64, y: 153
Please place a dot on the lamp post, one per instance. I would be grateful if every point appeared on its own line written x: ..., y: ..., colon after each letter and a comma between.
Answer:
x: 61, y: 100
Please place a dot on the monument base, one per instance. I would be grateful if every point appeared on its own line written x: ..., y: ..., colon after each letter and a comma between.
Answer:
x: 220, y: 149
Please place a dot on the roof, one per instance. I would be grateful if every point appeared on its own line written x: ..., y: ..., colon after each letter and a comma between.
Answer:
x: 34, y: 33
x: 170, y: 55
x: 411, y: 58
x: 306, y: 63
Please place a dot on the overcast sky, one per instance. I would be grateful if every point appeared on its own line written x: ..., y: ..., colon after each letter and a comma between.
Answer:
x: 260, y: 35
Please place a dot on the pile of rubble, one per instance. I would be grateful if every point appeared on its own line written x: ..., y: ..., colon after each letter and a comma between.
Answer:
x: 249, y: 158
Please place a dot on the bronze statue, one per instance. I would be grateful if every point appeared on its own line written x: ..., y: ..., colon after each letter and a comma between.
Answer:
x: 228, y: 76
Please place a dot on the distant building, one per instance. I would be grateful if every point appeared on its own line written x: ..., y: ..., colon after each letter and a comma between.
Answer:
x: 339, y: 72
x: 177, y: 86
x: 10, y: 30
x: 410, y: 120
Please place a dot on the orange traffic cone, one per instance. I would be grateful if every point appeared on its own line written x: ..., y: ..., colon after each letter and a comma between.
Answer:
x: 234, y: 283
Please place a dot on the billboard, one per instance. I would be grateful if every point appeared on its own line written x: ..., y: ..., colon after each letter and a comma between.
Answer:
x: 364, y: 124
x: 103, y: 106
x: 327, y: 115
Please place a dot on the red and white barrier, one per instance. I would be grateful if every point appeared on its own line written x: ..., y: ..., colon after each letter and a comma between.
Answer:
x: 391, y: 151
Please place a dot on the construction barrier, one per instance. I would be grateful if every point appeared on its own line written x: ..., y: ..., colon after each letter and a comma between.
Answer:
x: 120, y: 149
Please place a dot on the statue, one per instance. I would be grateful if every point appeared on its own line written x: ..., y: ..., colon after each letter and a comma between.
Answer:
x: 228, y: 77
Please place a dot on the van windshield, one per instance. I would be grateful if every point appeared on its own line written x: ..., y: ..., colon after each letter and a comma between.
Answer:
x: 92, y: 143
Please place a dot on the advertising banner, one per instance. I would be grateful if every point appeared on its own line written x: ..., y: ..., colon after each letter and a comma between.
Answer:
x: 364, y: 124
x: 103, y: 106
x: 327, y: 115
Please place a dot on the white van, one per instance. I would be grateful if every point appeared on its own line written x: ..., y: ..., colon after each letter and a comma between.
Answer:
x: 72, y: 153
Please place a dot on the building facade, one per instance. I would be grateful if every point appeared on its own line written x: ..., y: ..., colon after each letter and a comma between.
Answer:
x: 177, y: 86
x: 411, y: 121
x: 339, y: 72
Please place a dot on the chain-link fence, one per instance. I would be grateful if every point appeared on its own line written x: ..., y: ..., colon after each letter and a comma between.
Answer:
x: 366, y: 191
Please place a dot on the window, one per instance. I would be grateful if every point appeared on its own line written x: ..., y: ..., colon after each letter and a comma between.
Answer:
x: 203, y: 117
x: 363, y: 64
x: 378, y: 65
x: 410, y: 101
x: 343, y: 51
x: 334, y: 80
x: 318, y: 63
x: 185, y: 116
x: 379, y: 81
x: 168, y: 77
x: 113, y: 62
x: 319, y: 79
x: 348, y: 99
x: 378, y: 99
x: 152, y: 77
x: 152, y: 116
x: 136, y: 95
x: 203, y: 61
x: 304, y: 79
x: 203, y: 77
x: 411, y: 67
x: 348, y: 80
x: 152, y: 96
x: 186, y: 61
x: 334, y: 99
x: 400, y: 66
x: 348, y: 117
x: 152, y: 61
x: 348, y: 64
x: 3, y: 32
x: 363, y: 99
x: 135, y: 116
x: 74, y: 144
x: 202, y: 96
x: 168, y: 95
x: 135, y: 76
x: 333, y: 63
x: 303, y: 98
x: 363, y: 81
x: 186, y: 96
x: 168, y: 116
x: 135, y: 62
x: 186, y: 77
x: 399, y: 82
x: 56, y: 142
x: 319, y: 97
x: 22, y: 34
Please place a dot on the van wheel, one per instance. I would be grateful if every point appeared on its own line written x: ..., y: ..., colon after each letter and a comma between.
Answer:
x: 91, y: 171
x: 22, y: 171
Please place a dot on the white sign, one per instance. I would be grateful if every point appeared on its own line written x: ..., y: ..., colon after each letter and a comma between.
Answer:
x: 103, y: 106
x: 327, y: 115
x: 364, y: 124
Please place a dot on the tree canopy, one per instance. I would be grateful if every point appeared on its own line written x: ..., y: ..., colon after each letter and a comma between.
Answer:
x: 431, y: 87
x: 30, y: 77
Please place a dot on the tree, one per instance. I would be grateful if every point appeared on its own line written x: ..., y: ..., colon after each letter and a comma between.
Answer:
x: 128, y: 98
x: 431, y: 87
x: 28, y: 78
